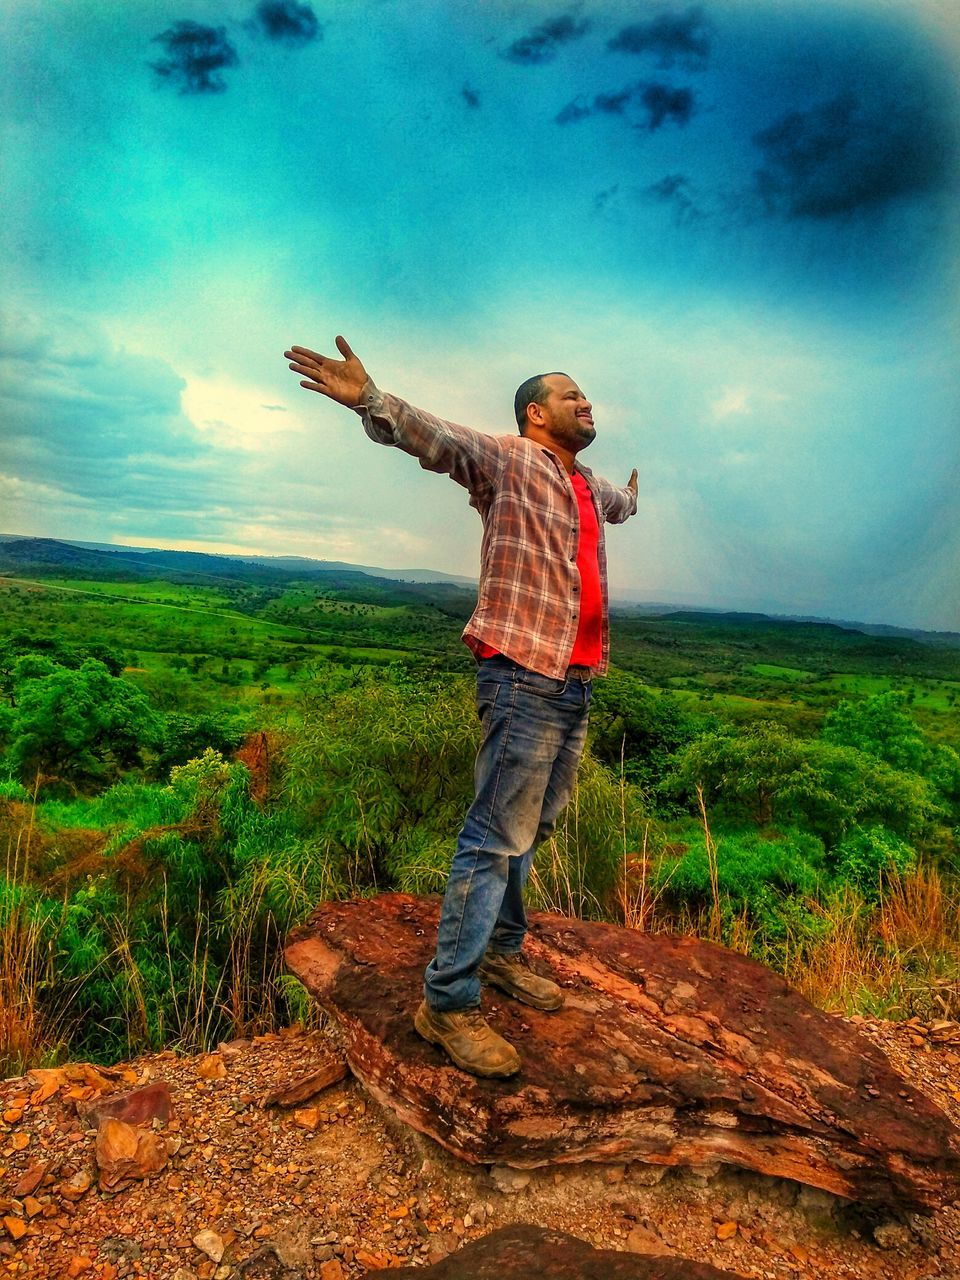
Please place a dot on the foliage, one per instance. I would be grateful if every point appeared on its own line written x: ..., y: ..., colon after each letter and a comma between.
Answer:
x: 765, y: 774
x: 634, y: 726
x: 768, y: 876
x: 80, y: 724
x: 184, y: 737
x: 381, y: 775
x: 155, y: 910
x: 866, y: 855
x: 879, y: 727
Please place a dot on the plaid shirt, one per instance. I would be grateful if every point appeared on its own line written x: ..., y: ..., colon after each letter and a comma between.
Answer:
x: 528, y: 608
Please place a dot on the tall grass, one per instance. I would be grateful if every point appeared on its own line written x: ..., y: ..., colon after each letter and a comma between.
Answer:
x: 30, y: 1031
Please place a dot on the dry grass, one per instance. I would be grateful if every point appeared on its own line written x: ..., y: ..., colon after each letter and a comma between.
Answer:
x: 27, y: 1035
x: 898, y: 956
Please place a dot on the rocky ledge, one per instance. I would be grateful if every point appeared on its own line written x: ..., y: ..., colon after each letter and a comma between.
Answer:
x: 668, y: 1050
x: 533, y: 1253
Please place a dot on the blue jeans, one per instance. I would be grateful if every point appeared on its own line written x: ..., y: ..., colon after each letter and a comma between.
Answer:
x: 534, y: 729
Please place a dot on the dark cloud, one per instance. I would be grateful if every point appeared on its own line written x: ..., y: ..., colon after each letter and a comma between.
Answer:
x: 655, y: 104
x: 603, y: 198
x: 674, y: 190
x: 573, y: 112
x: 841, y: 157
x: 286, y: 22
x: 662, y: 102
x: 671, y: 38
x: 195, y: 56
x: 470, y: 97
x: 612, y: 104
x: 541, y: 44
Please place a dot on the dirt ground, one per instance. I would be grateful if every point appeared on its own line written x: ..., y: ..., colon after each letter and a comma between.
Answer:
x: 334, y: 1187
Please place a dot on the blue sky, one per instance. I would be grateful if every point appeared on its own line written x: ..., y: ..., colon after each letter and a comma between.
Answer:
x: 733, y: 223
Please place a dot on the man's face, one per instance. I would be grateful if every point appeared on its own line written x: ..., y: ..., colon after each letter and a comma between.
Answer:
x: 567, y: 413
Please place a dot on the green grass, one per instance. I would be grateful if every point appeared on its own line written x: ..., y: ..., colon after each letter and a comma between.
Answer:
x: 931, y: 695
x: 782, y: 673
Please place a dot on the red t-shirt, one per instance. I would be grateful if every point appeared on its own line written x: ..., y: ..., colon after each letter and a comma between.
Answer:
x: 588, y: 646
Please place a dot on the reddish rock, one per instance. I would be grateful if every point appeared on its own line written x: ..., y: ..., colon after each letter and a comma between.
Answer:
x: 135, y: 1106
x: 125, y: 1152
x: 29, y: 1181
x: 306, y: 1087
x: 669, y: 1050
x: 536, y: 1253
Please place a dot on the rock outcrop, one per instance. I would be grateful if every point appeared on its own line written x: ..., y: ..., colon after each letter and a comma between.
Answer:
x: 669, y: 1050
x: 535, y: 1253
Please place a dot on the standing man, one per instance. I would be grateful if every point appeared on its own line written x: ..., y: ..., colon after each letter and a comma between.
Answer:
x: 539, y: 633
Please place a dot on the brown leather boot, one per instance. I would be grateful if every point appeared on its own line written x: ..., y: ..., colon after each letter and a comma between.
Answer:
x: 468, y: 1040
x: 511, y: 973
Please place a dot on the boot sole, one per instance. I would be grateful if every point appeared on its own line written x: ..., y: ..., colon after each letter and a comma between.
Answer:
x: 424, y: 1029
x: 522, y: 996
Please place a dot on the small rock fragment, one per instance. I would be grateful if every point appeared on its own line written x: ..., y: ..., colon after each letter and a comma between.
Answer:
x: 508, y: 1180
x: 892, y: 1235
x: 210, y: 1243
x: 642, y: 1240
x: 124, y: 1151
x: 211, y: 1067
x: 30, y: 1180
x: 75, y: 1187
x: 135, y: 1106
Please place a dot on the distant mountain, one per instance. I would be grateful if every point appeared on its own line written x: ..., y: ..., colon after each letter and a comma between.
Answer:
x: 288, y: 564
x: 945, y: 639
x: 450, y: 591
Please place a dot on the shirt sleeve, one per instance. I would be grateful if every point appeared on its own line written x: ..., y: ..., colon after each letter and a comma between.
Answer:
x: 472, y: 458
x: 616, y: 503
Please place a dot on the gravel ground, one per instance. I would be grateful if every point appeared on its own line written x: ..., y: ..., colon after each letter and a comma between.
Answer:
x: 333, y: 1187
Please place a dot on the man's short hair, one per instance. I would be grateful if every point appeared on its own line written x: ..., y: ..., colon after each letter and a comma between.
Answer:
x: 533, y: 391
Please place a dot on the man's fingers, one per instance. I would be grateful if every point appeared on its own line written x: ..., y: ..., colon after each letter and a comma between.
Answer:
x: 343, y: 346
x: 307, y: 371
x: 299, y: 353
x: 632, y: 482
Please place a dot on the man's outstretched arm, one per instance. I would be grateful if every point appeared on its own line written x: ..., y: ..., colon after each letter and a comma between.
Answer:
x: 472, y: 458
x: 340, y: 380
x: 618, y: 504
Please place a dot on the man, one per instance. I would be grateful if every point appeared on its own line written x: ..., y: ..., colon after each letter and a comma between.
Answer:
x: 539, y: 633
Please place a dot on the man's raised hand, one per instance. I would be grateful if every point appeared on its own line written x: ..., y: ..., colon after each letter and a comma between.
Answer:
x: 632, y: 482
x: 341, y: 380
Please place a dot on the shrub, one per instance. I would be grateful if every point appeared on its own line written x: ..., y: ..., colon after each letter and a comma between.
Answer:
x: 761, y: 875
x: 867, y: 855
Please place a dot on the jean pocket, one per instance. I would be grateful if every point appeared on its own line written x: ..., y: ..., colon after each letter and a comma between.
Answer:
x: 488, y: 693
x: 542, y: 686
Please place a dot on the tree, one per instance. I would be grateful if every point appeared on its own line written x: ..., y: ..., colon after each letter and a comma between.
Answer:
x: 879, y: 727
x: 769, y: 776
x: 81, y: 725
x: 629, y: 721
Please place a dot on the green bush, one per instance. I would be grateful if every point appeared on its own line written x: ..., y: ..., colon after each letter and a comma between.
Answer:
x: 766, y: 775
x: 764, y: 876
x: 866, y: 855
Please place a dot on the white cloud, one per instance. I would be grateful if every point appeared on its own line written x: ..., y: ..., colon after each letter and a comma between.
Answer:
x: 236, y: 415
x: 733, y: 400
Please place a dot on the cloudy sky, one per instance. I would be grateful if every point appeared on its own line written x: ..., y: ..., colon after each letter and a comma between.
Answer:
x: 733, y: 223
